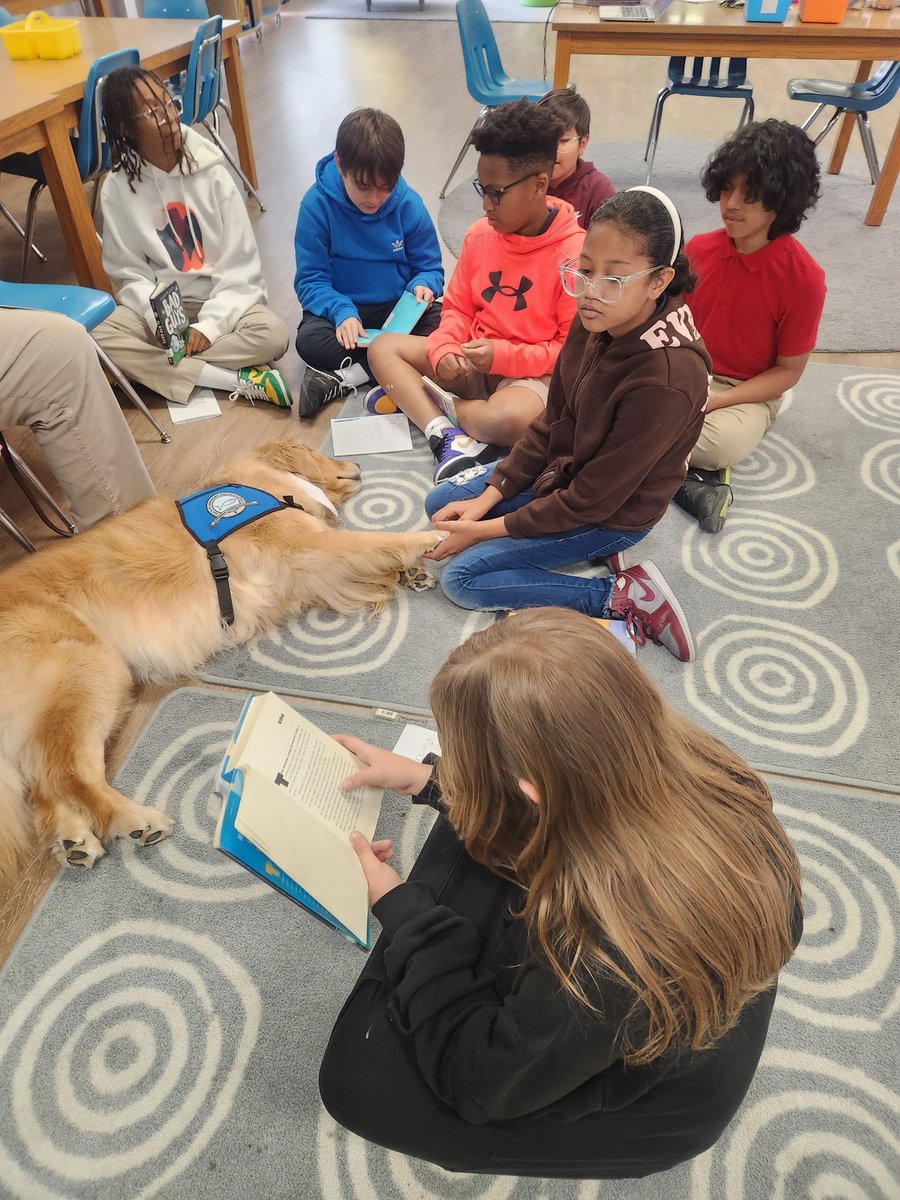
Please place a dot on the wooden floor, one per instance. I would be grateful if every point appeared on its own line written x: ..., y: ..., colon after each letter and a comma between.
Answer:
x: 301, y: 80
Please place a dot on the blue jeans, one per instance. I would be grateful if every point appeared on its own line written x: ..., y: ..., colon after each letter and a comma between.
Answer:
x: 523, y: 572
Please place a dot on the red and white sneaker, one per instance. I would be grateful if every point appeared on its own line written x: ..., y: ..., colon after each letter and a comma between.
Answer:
x: 642, y: 598
x: 624, y: 560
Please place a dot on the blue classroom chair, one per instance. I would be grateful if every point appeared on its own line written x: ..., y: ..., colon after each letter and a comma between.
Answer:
x: 486, y: 80
x: 86, y: 306
x: 91, y: 151
x: 859, y: 98
x: 728, y: 82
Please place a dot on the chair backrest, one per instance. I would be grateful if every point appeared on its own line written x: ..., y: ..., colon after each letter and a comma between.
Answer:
x: 91, y: 150
x: 187, y: 10
x: 699, y: 75
x: 6, y: 18
x: 203, y: 84
x: 884, y: 84
x: 484, y: 70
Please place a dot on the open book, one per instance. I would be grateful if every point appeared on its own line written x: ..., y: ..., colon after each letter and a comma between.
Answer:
x: 285, y: 818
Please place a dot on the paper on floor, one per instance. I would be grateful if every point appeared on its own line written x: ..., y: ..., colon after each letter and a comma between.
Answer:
x: 202, y: 404
x: 370, y: 435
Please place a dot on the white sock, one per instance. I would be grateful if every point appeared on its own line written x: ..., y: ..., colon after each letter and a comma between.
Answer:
x: 437, y: 426
x: 354, y: 375
x: 222, y: 379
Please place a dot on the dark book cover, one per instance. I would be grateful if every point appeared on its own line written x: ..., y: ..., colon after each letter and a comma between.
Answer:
x: 171, y: 320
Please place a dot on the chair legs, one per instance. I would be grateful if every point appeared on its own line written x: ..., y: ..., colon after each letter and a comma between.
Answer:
x: 462, y: 154
x: 33, y: 197
x: 16, y: 533
x: 129, y: 391
x: 747, y: 112
x: 4, y: 212
x: 865, y: 132
x: 248, y: 186
x: 653, y: 135
x: 22, y: 468
x: 811, y: 119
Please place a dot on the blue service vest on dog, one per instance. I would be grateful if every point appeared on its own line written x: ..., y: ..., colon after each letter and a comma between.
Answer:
x: 213, y: 513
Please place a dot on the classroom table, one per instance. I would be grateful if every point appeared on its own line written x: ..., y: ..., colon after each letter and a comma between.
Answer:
x: 864, y: 36
x: 40, y: 103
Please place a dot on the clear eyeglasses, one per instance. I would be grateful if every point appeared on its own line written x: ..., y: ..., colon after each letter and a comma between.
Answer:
x: 163, y: 115
x: 607, y: 289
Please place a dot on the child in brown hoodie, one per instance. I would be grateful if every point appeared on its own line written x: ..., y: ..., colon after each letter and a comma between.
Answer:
x: 597, y: 469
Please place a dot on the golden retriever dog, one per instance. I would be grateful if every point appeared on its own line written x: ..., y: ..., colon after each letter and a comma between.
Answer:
x: 134, y: 599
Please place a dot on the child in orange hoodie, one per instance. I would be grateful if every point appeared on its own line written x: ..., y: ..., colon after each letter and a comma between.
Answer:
x: 505, y: 315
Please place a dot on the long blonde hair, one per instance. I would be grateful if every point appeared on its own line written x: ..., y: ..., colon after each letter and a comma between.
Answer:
x: 653, y: 854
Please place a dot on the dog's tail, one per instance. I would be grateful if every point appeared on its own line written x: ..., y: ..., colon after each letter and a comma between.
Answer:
x: 16, y: 830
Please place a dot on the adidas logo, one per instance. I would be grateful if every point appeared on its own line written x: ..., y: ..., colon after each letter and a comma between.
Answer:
x: 397, y: 246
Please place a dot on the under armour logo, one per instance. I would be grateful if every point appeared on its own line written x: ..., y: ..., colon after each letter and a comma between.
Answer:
x: 525, y: 285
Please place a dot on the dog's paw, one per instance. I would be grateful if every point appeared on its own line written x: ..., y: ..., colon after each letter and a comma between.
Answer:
x: 78, y: 852
x: 417, y: 579
x: 144, y: 826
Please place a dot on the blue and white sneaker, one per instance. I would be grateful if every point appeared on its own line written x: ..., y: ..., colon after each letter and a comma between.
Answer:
x: 378, y: 403
x: 455, y: 451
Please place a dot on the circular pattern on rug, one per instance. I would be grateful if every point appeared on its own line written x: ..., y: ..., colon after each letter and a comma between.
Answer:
x: 778, y: 685
x: 327, y: 645
x: 795, y: 1142
x: 115, y: 1065
x: 881, y: 471
x: 390, y: 501
x: 844, y: 966
x: 893, y: 557
x: 179, y: 781
x: 872, y: 399
x: 764, y: 558
x: 776, y: 470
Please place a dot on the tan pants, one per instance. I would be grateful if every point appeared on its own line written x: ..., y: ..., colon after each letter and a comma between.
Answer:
x: 51, y: 379
x: 729, y: 435
x: 259, y: 337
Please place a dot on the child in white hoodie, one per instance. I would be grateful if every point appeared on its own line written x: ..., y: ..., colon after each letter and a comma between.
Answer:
x: 171, y: 211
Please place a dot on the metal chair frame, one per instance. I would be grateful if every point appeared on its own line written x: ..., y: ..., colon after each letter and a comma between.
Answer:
x: 33, y: 492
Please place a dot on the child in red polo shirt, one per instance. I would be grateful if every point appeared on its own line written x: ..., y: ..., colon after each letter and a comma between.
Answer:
x: 758, y: 301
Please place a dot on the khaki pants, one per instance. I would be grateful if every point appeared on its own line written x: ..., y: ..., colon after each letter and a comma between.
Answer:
x: 259, y: 337
x: 729, y: 435
x: 51, y: 379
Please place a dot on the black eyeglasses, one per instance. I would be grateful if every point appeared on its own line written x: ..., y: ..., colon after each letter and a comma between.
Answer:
x: 495, y: 195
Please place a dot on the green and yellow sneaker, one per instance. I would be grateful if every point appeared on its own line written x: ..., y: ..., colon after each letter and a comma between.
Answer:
x: 263, y: 383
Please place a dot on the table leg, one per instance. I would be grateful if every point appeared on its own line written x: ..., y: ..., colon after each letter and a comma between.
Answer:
x: 231, y: 62
x: 890, y: 168
x: 561, y: 64
x: 72, y: 208
x: 846, y: 127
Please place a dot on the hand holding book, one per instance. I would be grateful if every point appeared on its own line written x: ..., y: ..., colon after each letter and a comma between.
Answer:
x: 373, y: 856
x: 382, y: 769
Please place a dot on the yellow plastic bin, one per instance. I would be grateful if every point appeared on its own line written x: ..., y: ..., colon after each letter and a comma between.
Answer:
x: 40, y: 36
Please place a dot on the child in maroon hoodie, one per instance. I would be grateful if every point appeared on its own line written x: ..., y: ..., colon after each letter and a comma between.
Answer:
x: 575, y: 179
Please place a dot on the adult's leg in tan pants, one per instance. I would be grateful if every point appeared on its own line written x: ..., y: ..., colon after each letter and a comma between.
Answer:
x: 259, y: 337
x: 729, y: 435
x: 51, y: 379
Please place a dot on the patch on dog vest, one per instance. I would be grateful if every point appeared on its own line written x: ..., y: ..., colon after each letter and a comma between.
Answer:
x: 213, y: 513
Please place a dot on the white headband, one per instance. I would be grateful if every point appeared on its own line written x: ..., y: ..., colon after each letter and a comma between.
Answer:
x: 673, y: 216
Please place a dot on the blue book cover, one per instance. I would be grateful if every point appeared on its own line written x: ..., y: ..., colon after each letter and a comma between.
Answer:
x: 228, y: 787
x: 403, y: 318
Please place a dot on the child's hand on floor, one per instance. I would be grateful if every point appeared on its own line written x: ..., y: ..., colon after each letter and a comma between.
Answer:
x: 349, y: 332
x: 196, y: 343
x: 451, y: 366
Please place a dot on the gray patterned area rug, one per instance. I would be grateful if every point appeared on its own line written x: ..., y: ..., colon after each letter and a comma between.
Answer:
x: 859, y: 261
x: 793, y: 604
x: 163, y: 1017
x: 389, y: 659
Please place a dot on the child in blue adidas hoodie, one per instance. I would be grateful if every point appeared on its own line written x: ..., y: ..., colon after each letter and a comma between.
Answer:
x: 363, y: 238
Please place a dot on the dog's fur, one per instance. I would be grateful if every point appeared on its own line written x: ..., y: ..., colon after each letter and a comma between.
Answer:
x: 134, y: 599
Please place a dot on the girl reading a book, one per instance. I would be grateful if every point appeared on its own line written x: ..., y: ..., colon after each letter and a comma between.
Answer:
x: 577, y: 978
x: 172, y: 213
x: 597, y: 468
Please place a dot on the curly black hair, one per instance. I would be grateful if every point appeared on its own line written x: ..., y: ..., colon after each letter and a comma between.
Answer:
x: 524, y: 134
x: 120, y: 122
x: 776, y: 162
x: 644, y: 217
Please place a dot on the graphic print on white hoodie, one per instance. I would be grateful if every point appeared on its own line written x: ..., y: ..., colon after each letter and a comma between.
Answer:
x: 192, y: 227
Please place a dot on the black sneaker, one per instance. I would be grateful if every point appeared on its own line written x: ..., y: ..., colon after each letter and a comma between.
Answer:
x: 706, y: 496
x: 318, y: 388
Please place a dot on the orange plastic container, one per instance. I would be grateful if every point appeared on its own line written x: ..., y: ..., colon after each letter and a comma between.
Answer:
x: 823, y: 12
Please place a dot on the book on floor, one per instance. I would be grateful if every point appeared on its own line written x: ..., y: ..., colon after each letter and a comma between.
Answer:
x: 171, y: 320
x: 403, y: 318
x: 285, y: 818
